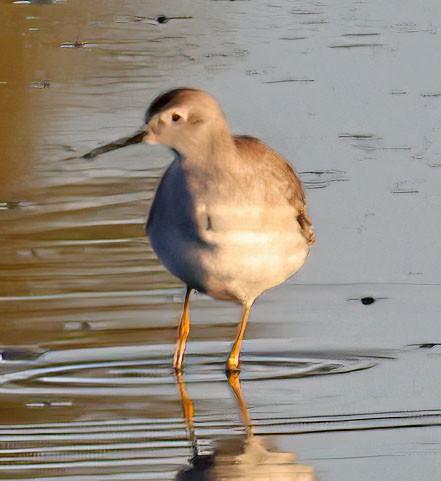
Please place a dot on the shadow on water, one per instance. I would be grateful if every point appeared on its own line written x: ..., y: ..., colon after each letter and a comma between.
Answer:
x: 240, y: 458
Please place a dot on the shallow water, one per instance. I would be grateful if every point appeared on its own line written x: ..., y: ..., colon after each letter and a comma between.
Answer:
x: 350, y: 93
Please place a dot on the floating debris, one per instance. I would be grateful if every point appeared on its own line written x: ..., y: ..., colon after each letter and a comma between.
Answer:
x: 435, y: 95
x: 9, y: 205
x: 293, y: 38
x: 300, y: 11
x: 398, y: 147
x: 360, y: 34
x: 41, y: 84
x: 77, y: 326
x: 367, y: 301
x: 405, y: 191
x: 411, y: 28
x: 318, y: 179
x: 159, y: 20
x: 288, y: 81
x: 398, y: 189
x: 357, y: 45
x: 346, y: 135
x: 19, y: 354
x: 429, y: 345
x: 38, y: 2
x: 76, y: 44
x: 49, y: 404
x: 314, y: 22
x: 237, y: 52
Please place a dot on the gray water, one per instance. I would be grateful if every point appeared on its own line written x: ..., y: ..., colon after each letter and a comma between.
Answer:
x: 350, y: 93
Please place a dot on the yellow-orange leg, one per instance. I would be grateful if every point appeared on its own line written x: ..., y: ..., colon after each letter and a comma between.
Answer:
x: 188, y: 411
x: 184, y: 329
x: 233, y: 358
x: 234, y: 382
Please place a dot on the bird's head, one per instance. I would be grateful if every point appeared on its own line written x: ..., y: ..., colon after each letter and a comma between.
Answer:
x: 185, y: 120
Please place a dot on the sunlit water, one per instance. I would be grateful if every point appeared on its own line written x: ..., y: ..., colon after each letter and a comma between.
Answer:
x: 340, y: 364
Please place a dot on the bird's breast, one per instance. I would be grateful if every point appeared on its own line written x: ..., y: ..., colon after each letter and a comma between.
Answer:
x: 253, y: 248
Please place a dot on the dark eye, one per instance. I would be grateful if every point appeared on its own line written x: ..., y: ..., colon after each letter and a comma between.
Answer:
x: 176, y: 118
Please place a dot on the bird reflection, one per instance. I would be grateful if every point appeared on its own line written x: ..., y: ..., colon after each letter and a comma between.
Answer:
x: 239, y: 458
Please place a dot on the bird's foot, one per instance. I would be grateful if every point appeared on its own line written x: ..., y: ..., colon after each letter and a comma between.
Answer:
x: 178, y: 365
x: 232, y: 366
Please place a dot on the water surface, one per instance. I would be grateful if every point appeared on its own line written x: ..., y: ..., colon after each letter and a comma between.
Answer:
x: 349, y: 93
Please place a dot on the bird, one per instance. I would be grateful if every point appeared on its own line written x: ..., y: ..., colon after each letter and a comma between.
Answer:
x: 229, y: 215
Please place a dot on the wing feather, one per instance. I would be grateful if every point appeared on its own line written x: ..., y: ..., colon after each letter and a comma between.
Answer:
x: 284, y: 180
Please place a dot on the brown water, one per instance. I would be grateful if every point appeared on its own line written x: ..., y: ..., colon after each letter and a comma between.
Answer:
x: 350, y: 93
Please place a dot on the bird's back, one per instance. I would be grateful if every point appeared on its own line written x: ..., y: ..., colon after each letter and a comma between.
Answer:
x: 278, y: 181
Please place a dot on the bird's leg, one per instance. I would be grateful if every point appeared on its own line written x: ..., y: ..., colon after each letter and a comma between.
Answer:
x: 234, y: 383
x: 184, y: 329
x: 188, y: 412
x: 233, y: 358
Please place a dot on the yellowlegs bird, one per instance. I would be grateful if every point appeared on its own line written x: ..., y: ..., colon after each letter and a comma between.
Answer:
x: 229, y: 215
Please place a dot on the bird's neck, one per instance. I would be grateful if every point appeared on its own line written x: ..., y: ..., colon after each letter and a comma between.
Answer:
x: 211, y: 148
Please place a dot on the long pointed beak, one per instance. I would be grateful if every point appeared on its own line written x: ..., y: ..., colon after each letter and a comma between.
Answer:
x: 135, y: 138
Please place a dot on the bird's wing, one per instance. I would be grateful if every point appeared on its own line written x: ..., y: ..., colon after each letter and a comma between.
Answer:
x: 284, y: 180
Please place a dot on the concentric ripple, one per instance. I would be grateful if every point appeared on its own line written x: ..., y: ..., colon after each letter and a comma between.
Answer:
x: 133, y: 368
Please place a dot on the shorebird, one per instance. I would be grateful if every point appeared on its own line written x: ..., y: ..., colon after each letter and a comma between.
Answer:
x: 229, y: 215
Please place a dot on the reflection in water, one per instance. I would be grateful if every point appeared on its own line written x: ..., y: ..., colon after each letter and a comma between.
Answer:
x: 237, y: 458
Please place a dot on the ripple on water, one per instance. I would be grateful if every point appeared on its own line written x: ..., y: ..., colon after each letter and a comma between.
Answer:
x: 133, y: 368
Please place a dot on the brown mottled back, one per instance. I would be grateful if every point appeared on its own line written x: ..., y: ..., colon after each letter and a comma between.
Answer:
x: 285, y: 180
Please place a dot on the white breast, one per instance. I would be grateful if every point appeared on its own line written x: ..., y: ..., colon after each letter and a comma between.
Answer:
x: 255, y: 249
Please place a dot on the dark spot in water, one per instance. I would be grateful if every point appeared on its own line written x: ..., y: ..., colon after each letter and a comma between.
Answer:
x: 162, y: 19
x: 366, y: 301
x: 428, y: 345
x: 19, y: 354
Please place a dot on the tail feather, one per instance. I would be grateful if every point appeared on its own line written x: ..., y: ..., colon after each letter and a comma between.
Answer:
x: 307, y: 228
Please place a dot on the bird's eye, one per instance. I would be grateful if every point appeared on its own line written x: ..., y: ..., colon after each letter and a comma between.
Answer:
x: 176, y: 117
